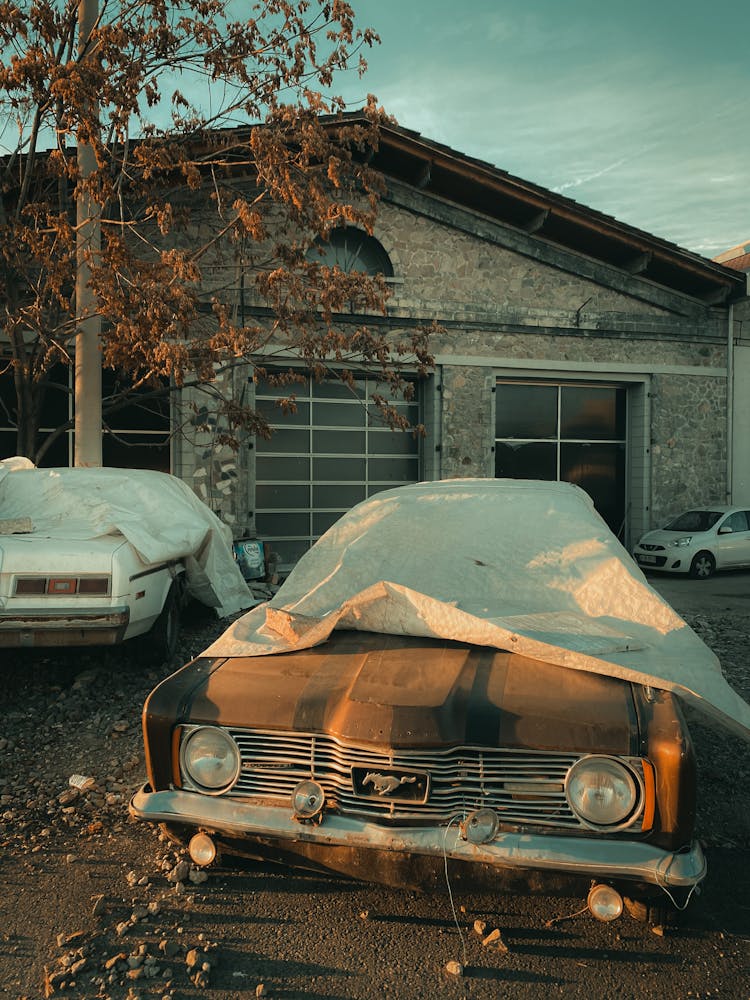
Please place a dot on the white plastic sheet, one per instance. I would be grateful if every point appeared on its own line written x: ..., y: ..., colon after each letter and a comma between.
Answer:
x: 157, y: 514
x: 513, y: 564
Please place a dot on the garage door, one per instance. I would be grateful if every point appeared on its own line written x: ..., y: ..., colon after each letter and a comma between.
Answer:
x: 328, y: 456
x: 572, y: 432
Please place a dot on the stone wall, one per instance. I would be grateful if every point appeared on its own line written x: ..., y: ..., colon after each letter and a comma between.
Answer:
x: 688, y: 450
x: 217, y: 473
x: 454, y: 269
x: 467, y: 421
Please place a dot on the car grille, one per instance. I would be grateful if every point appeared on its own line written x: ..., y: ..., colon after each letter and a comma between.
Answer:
x: 651, y: 548
x: 650, y: 560
x: 523, y: 786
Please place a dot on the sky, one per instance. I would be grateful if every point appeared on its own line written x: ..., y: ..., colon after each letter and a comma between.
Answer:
x: 640, y: 110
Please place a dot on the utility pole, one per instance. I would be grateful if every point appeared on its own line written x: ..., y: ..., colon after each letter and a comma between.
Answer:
x: 88, y: 368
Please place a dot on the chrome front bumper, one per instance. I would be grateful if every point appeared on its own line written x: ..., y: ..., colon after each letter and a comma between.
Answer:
x: 576, y: 856
x: 64, y: 627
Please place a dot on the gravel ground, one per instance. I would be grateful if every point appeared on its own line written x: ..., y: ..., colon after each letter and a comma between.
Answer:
x: 68, y: 714
x: 78, y: 713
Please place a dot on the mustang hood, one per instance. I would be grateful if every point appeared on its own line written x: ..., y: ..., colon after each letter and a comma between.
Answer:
x: 524, y: 566
x: 407, y: 691
x: 157, y: 514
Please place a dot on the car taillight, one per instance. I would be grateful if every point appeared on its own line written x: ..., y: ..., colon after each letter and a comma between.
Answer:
x: 93, y: 585
x: 62, y: 585
x: 31, y: 585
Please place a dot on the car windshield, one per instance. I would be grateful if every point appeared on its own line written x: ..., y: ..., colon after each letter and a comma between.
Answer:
x: 694, y: 520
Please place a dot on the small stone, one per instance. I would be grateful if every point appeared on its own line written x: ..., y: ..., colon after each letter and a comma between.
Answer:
x: 658, y: 930
x: 169, y: 948
x: 480, y: 927
x: 154, y: 907
x: 192, y: 958
x: 123, y: 928
x: 71, y: 859
x: 112, y: 962
x: 179, y: 873
x: 99, y: 906
x: 201, y: 979
x: 69, y: 796
x: 454, y: 968
x: 121, y: 726
x: 197, y: 876
x: 260, y: 990
x: 495, y: 941
x: 63, y: 939
x: 132, y: 879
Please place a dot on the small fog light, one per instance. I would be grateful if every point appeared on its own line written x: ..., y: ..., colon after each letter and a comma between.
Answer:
x: 202, y: 849
x: 605, y: 902
x: 480, y: 827
x: 308, y: 799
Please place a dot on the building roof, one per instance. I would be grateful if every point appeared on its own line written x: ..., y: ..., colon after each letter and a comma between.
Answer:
x: 738, y: 258
x: 475, y: 184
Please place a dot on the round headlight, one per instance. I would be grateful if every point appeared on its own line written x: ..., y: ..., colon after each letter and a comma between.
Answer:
x: 210, y: 758
x: 601, y: 791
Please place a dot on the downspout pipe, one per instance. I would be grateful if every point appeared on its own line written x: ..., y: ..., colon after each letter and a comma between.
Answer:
x: 730, y: 402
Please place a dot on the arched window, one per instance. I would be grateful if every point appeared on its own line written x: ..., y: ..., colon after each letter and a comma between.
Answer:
x: 351, y: 249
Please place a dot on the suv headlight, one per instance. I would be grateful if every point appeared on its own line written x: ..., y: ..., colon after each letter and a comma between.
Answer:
x: 601, y: 791
x: 209, y: 757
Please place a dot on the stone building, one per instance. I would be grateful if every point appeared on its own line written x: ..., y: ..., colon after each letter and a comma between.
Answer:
x: 572, y: 347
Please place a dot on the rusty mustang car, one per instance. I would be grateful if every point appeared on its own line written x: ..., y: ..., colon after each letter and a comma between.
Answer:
x: 373, y: 755
x: 374, y: 726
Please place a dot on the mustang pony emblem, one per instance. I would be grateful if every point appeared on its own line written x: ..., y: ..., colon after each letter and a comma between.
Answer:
x: 386, y: 783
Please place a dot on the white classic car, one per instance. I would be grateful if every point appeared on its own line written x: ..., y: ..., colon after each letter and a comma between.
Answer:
x: 99, y: 556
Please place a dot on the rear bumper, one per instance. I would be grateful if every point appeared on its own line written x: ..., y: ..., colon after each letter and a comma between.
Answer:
x: 577, y: 857
x: 64, y: 627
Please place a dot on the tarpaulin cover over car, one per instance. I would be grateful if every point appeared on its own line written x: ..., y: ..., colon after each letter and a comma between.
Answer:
x: 157, y: 514
x: 513, y: 564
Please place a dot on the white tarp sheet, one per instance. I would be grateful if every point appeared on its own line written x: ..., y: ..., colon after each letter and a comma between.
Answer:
x: 513, y: 564
x: 157, y: 514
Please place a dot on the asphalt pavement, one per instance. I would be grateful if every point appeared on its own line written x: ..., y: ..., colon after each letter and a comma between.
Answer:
x: 721, y: 593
